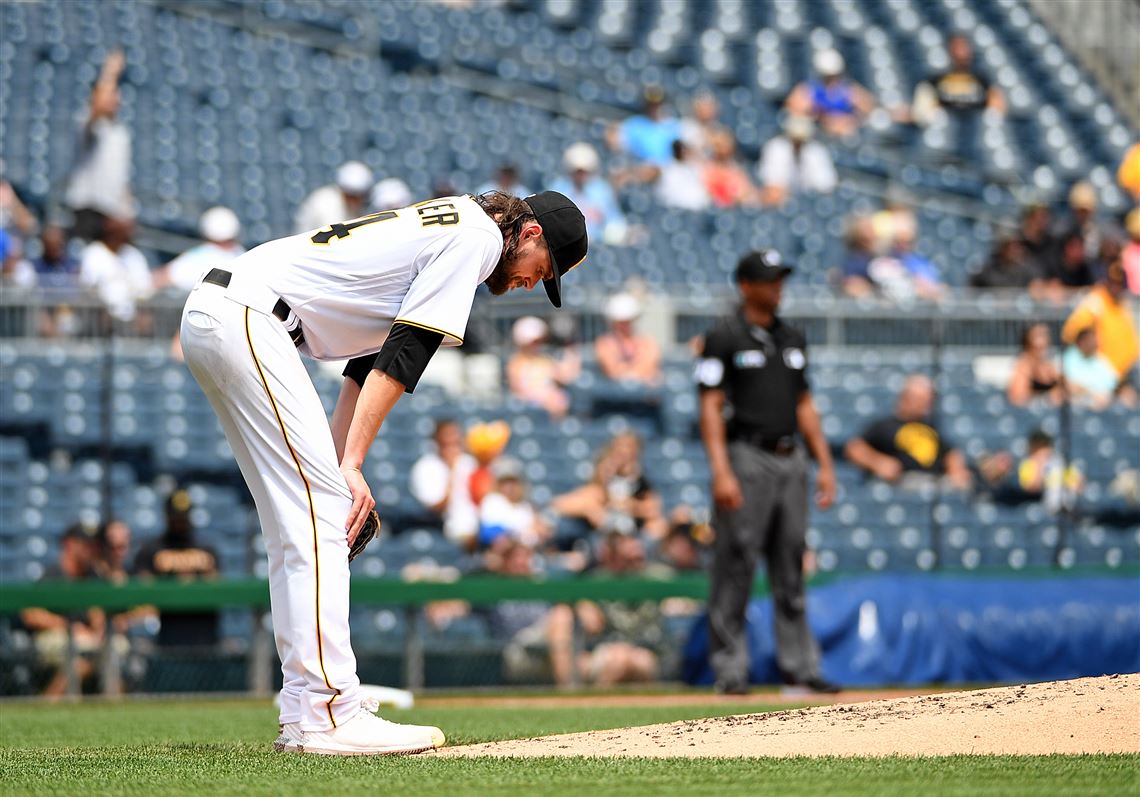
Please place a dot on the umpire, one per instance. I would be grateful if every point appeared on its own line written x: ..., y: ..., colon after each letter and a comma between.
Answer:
x: 754, y: 399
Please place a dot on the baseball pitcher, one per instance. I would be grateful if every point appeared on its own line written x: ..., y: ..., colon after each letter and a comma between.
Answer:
x: 383, y: 291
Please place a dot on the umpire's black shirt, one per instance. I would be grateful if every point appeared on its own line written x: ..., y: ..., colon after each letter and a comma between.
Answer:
x: 762, y: 371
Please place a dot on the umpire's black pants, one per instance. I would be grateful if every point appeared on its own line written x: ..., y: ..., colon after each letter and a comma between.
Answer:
x: 771, y: 523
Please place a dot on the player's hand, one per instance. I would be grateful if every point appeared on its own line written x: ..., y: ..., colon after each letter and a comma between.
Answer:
x: 362, y: 502
x: 726, y: 492
x: 825, y: 488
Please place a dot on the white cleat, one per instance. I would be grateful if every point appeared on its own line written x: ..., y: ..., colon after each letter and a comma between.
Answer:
x: 367, y: 734
x: 289, y: 737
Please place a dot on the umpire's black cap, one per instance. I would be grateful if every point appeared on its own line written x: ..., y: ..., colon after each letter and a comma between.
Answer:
x: 763, y: 265
x: 564, y: 228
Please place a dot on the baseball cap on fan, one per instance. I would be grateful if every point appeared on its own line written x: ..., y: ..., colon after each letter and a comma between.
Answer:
x: 564, y: 229
x: 763, y: 265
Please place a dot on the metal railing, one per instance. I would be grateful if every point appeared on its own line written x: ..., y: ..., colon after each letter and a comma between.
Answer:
x: 977, y: 320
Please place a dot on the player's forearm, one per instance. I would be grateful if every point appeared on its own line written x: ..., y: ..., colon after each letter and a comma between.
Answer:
x: 342, y: 414
x: 379, y: 395
x: 808, y: 419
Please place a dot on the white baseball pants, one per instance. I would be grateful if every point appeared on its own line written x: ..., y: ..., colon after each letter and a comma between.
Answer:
x: 247, y: 365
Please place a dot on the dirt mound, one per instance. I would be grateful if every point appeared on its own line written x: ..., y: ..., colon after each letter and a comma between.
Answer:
x: 1089, y: 715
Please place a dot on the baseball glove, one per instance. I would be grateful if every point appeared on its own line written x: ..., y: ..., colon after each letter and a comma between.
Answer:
x: 369, y: 530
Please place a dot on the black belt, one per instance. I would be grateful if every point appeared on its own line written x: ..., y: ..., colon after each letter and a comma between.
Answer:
x: 780, y: 446
x: 221, y: 277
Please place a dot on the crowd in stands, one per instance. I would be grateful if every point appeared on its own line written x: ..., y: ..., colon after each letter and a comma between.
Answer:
x: 615, y: 522
x: 106, y: 553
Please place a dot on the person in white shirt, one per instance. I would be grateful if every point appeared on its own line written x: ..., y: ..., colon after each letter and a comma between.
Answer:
x: 389, y: 194
x: 383, y: 291
x: 793, y: 163
x: 219, y: 228
x: 116, y: 270
x: 99, y: 183
x: 340, y: 202
x: 505, y: 513
x: 682, y: 183
x: 440, y: 481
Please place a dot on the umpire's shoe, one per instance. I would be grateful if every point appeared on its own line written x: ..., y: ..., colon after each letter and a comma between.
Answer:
x: 367, y: 734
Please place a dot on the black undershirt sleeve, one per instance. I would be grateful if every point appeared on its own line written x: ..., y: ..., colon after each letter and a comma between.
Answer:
x: 405, y: 355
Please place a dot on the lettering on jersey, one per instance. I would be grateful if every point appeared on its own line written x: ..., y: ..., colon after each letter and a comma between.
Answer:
x: 751, y: 358
x: 342, y: 229
x: 435, y: 213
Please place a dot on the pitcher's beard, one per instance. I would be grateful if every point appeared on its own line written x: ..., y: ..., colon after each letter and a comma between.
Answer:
x: 500, y: 281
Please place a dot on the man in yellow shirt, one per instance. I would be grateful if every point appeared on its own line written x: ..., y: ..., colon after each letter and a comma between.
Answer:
x: 1106, y: 308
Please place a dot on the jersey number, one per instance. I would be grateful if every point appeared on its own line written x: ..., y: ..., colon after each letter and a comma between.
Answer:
x: 342, y: 229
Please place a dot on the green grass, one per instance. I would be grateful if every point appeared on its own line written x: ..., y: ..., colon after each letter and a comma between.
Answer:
x: 218, y: 748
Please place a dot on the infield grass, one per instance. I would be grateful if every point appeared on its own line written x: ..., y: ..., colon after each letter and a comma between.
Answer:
x: 220, y: 748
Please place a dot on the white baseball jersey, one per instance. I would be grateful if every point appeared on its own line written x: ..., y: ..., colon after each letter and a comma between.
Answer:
x: 348, y: 282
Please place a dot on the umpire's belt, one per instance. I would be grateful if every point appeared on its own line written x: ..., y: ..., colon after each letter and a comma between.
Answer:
x: 780, y: 446
x: 221, y: 277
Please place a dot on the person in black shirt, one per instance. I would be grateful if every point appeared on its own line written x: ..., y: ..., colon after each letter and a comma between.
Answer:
x: 961, y: 88
x: 907, y: 442
x: 754, y: 399
x: 177, y: 555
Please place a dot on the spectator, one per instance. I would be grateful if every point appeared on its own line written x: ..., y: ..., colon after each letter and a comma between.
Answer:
x: 534, y: 376
x: 16, y: 271
x: 178, y: 555
x: 836, y: 103
x: 648, y: 137
x: 507, y: 181
x: 618, y: 637
x: 1128, y: 175
x: 1035, y: 374
x: 113, y: 547
x: 701, y: 127
x: 1090, y: 378
x: 922, y: 273
x: 392, y: 193
x: 681, y: 184
x: 116, y: 270
x: 1106, y: 309
x: 960, y: 91
x: 485, y: 441
x: 792, y: 163
x: 506, y: 513
x: 1130, y: 257
x: 1037, y: 239
x: 726, y: 181
x: 14, y: 215
x: 1009, y: 267
x: 55, y: 268
x: 333, y: 203
x: 1043, y: 476
x: 99, y: 184
x: 219, y: 228
x: 592, y: 193
x: 440, y: 481
x: 900, y: 446
x: 681, y: 549
x: 1072, y: 268
x: 860, y: 252
x: 1082, y: 221
x: 87, y: 627
x: 618, y: 497
x: 623, y: 355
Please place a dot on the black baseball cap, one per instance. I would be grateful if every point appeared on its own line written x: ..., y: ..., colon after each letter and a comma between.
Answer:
x: 763, y: 265
x: 564, y: 228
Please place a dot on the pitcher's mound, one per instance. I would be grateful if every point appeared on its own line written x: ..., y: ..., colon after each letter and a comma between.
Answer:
x: 1090, y: 715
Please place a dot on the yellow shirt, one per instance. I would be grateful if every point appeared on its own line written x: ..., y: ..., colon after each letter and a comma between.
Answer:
x: 1115, y: 329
